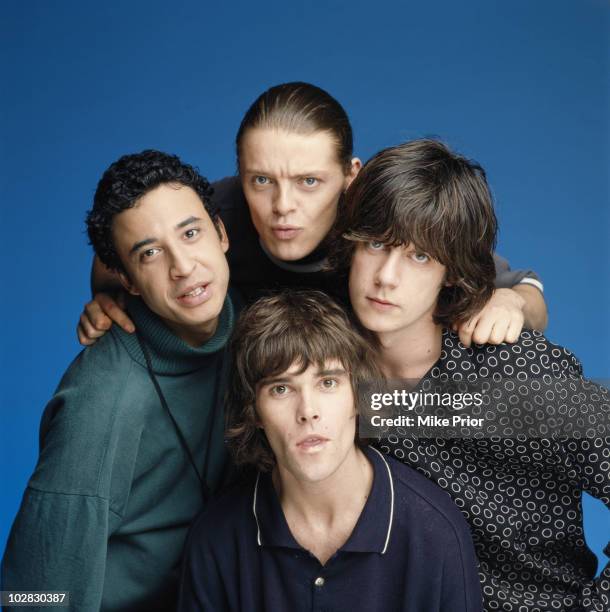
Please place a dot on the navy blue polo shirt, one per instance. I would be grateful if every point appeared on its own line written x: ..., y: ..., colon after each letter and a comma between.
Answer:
x: 410, y: 550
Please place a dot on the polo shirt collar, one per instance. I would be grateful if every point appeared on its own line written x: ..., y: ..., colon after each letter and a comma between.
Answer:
x: 372, y: 531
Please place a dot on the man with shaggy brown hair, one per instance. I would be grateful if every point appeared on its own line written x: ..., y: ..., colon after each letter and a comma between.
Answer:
x: 416, y: 239
x: 323, y: 514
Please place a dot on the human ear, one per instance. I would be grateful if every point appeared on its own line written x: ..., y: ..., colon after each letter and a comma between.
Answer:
x: 127, y: 284
x: 222, y: 234
x: 355, y: 167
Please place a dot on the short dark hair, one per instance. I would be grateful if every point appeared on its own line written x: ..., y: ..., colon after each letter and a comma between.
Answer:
x: 125, y: 182
x: 423, y: 194
x: 302, y: 108
x: 292, y: 327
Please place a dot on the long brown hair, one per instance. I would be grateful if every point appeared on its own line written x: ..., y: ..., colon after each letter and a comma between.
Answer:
x: 423, y: 194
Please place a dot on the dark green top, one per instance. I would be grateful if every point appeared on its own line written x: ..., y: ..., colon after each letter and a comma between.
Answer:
x: 106, y: 511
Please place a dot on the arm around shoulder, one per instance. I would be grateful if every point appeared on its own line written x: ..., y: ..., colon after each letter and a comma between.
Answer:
x: 534, y: 308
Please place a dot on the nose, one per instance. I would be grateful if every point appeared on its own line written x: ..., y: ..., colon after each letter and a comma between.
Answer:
x: 181, y: 263
x: 282, y: 202
x: 307, y: 411
x: 388, y: 273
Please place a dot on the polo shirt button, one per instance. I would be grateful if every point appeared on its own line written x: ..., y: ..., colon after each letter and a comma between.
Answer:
x: 319, y: 581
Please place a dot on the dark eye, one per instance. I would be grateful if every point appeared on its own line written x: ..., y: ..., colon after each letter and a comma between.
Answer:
x: 279, y: 390
x: 148, y: 253
x: 191, y: 233
x: 329, y: 383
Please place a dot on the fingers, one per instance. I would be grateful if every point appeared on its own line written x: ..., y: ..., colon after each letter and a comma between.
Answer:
x: 483, y: 330
x: 500, y: 320
x: 86, y: 332
x: 465, y: 331
x: 113, y: 312
x: 494, y: 326
x: 514, y: 330
x: 497, y: 334
x: 82, y: 336
x: 96, y: 317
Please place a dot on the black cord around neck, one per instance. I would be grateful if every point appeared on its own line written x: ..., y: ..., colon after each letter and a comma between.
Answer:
x: 205, y: 487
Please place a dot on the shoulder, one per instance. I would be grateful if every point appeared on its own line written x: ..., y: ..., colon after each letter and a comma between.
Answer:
x: 228, y: 516
x: 423, y: 495
x: 427, y: 517
x: 85, y: 418
x: 97, y: 371
x: 532, y: 353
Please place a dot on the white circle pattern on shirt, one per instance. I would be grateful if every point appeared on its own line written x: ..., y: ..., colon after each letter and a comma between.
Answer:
x: 522, y: 497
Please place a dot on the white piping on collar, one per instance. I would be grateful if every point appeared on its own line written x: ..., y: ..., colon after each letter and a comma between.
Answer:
x: 258, y: 528
x: 387, y: 539
x: 316, y: 266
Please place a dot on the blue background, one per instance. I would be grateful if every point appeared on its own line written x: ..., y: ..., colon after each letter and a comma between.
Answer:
x: 520, y: 86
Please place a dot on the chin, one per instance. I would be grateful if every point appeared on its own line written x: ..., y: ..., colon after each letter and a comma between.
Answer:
x: 319, y: 474
x: 289, y: 252
x: 372, y: 321
x: 205, y: 313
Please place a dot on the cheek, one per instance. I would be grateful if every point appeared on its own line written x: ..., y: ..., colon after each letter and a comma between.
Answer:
x: 319, y: 208
x: 256, y: 204
x: 358, y: 273
x: 153, y: 293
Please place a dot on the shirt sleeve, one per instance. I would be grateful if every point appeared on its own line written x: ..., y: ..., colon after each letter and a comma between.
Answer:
x: 58, y: 543
x: 591, y: 457
x: 507, y: 278
x: 59, y: 539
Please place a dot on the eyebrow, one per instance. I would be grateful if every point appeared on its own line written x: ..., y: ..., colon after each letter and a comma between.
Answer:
x: 285, y: 378
x: 312, y: 173
x: 142, y: 243
x: 335, y: 372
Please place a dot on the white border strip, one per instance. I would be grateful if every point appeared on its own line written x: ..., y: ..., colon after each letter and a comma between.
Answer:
x: 387, y: 539
x: 258, y: 529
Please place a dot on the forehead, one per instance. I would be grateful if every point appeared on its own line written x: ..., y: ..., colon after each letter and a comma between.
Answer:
x: 273, y: 151
x: 297, y: 369
x: 158, y: 211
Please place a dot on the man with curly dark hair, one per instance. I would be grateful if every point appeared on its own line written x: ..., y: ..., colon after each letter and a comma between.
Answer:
x: 131, y: 444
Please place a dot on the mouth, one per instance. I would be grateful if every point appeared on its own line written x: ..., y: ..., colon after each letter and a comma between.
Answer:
x: 312, y: 443
x: 379, y: 304
x: 285, y: 232
x: 195, y: 295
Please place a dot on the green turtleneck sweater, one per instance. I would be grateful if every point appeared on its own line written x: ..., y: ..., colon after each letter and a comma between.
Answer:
x: 106, y: 511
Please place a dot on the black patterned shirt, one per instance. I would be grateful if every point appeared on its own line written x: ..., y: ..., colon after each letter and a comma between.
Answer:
x: 522, y: 495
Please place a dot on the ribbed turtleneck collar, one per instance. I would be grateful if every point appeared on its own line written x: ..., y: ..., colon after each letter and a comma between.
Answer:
x: 170, y: 354
x: 314, y: 262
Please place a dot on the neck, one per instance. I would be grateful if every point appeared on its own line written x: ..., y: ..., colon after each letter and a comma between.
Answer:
x: 342, y: 494
x: 409, y: 353
x: 195, y: 336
